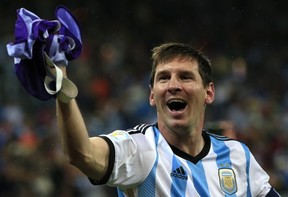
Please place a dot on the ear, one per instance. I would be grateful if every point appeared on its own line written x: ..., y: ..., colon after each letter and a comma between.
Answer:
x: 151, y: 97
x: 210, y: 93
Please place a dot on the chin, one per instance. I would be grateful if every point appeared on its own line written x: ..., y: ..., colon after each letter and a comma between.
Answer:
x: 179, y: 124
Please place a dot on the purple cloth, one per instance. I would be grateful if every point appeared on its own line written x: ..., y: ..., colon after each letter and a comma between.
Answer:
x: 59, y: 39
x: 70, y: 28
x: 29, y: 28
x: 67, y: 44
x: 31, y: 73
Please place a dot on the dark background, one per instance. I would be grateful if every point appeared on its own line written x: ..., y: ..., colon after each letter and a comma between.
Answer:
x: 245, y: 40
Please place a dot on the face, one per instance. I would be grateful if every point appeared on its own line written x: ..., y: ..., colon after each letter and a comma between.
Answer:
x: 179, y: 95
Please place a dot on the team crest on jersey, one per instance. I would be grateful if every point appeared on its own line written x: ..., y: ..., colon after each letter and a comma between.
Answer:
x: 227, y: 180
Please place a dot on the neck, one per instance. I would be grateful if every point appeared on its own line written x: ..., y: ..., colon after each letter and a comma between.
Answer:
x: 191, y: 142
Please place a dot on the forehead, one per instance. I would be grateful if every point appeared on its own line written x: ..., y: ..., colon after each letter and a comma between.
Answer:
x: 177, y: 65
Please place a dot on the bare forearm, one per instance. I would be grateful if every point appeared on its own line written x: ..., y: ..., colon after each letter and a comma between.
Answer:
x: 73, y: 133
x: 90, y: 155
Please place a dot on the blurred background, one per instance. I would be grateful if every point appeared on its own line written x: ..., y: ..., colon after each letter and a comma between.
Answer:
x: 245, y: 40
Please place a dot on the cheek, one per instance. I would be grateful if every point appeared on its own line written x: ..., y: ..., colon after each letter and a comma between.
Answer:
x: 155, y: 100
x: 155, y: 95
x: 197, y: 95
x: 158, y: 96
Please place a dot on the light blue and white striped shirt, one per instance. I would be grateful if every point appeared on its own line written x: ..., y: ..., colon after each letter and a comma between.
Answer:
x: 142, y: 163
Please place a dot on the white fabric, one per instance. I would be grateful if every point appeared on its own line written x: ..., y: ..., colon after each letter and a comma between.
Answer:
x: 145, y: 165
x: 53, y: 73
x: 65, y: 89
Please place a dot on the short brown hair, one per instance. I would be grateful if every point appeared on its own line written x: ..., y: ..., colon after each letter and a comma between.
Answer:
x: 169, y: 51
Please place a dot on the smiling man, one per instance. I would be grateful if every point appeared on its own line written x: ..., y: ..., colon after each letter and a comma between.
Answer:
x: 180, y: 95
x: 175, y: 156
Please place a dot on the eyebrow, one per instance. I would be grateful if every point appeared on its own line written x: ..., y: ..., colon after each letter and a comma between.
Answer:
x: 162, y: 72
x: 186, y: 72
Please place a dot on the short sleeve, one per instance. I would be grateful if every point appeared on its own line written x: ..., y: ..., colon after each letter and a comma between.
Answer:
x: 259, y: 179
x: 134, y: 156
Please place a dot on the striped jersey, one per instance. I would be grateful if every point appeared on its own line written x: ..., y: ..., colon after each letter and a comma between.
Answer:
x: 143, y: 164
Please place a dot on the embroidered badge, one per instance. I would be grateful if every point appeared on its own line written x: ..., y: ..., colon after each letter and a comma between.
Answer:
x: 119, y: 135
x: 227, y: 180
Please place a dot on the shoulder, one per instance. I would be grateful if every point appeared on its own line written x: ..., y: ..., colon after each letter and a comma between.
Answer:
x: 233, y: 145
x: 144, y: 136
x: 140, y: 129
x: 133, y: 155
x: 139, y: 137
x: 223, y: 139
x: 121, y: 134
x: 217, y: 137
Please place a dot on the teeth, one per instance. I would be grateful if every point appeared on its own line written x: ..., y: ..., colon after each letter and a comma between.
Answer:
x: 176, y: 100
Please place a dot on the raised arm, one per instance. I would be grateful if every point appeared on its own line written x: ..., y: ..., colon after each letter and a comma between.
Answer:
x: 90, y: 155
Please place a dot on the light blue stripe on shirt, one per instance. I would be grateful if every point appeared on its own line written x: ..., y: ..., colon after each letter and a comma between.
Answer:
x: 223, y: 156
x: 199, y: 178
x: 120, y: 193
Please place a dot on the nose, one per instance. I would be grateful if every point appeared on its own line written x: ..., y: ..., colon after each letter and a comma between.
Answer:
x: 174, y: 85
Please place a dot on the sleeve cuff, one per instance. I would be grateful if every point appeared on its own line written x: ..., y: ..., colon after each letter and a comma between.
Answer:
x: 110, y: 165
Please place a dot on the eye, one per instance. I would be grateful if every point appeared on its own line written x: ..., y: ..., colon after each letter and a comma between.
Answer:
x: 187, y: 76
x: 163, y: 77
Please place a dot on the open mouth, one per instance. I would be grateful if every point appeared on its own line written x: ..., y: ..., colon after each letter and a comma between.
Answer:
x: 176, y: 105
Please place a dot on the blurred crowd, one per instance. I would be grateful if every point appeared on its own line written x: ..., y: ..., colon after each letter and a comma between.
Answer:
x: 246, y: 42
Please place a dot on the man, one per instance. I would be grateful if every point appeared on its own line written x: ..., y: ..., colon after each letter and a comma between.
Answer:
x: 175, y: 156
